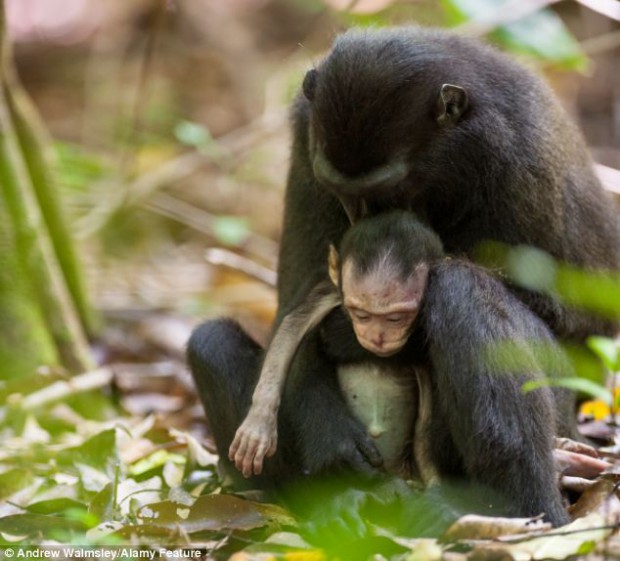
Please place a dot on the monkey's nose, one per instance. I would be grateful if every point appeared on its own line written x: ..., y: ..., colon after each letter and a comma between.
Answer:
x: 376, y: 430
x: 377, y: 340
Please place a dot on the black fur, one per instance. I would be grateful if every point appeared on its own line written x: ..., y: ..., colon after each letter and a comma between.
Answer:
x: 511, y: 169
x: 506, y: 166
x: 410, y: 243
x: 484, y: 424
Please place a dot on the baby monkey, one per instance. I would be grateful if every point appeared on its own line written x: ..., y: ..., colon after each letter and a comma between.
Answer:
x: 379, y: 277
x: 455, y: 409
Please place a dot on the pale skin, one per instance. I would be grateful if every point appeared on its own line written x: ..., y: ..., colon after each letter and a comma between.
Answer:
x: 257, y: 437
x: 382, y: 310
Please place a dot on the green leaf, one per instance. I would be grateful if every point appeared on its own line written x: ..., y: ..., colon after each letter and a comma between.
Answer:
x: 541, y: 35
x: 231, y: 230
x: 215, y: 513
x: 55, y: 506
x: 192, y: 134
x: 13, y: 480
x: 98, y: 452
x: 607, y: 350
x: 155, y: 460
x: 576, y: 384
x: 37, y: 524
x: 102, y: 506
x: 77, y: 168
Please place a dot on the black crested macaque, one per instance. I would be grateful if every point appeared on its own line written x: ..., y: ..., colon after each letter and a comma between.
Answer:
x: 426, y: 120
x: 418, y: 119
x: 476, y: 145
x: 397, y: 291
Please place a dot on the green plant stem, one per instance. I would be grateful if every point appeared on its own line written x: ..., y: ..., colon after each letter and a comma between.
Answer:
x: 35, y: 253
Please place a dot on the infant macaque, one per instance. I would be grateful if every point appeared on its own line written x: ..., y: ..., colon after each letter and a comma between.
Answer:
x: 381, y: 288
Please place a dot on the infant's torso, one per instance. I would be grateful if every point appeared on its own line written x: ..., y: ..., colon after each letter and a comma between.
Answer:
x: 384, y: 399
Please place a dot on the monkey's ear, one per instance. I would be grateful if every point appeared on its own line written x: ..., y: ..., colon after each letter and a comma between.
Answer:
x: 309, y: 84
x: 334, y: 265
x: 451, y: 104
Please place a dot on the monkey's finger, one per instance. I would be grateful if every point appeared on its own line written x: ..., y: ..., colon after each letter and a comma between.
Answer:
x: 240, y: 455
x: 272, y: 448
x: 359, y: 463
x: 234, y: 446
x: 248, y: 460
x: 370, y: 451
x: 258, y: 458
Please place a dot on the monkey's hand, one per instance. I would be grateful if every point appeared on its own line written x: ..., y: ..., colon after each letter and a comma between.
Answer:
x: 344, y: 445
x: 256, y: 438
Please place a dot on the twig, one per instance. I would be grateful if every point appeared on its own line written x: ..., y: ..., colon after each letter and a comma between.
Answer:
x: 204, y: 221
x: 610, y: 178
x: 218, y: 256
x: 609, y: 8
x: 176, y: 169
x: 63, y: 389
x: 602, y: 43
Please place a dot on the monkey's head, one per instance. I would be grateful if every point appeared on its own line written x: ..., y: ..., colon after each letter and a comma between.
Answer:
x: 381, y: 272
x: 376, y: 103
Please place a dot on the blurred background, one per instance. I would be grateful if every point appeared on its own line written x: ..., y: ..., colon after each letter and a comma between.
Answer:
x: 156, y: 146
x: 170, y: 133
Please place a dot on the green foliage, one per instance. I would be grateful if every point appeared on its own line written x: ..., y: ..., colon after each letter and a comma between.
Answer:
x: 78, y: 168
x: 231, y: 230
x: 608, y: 350
x: 594, y: 292
x: 541, y: 35
x: 578, y: 385
x: 198, y: 136
x: 571, y: 368
x: 193, y: 134
x: 82, y: 482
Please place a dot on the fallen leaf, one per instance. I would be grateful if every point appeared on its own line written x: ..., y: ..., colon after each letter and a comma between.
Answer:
x: 215, y: 513
x: 578, y: 537
x: 473, y: 526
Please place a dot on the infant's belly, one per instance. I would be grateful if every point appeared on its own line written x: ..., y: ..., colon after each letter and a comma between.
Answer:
x: 384, y: 400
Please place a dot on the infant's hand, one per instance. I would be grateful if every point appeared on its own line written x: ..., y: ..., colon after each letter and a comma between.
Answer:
x: 256, y: 438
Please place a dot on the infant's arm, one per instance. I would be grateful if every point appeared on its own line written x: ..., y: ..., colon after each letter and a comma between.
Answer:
x: 257, y: 436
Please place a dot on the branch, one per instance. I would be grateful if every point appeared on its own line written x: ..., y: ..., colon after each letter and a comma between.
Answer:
x: 61, y: 390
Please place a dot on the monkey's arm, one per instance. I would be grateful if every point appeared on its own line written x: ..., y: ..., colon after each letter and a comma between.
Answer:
x: 327, y: 435
x: 257, y: 436
x: 503, y: 436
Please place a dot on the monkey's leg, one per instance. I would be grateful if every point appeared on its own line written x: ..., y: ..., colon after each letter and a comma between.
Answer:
x: 225, y: 363
x: 421, y: 438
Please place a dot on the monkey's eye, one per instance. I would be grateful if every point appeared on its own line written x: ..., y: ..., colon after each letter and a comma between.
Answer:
x: 360, y: 316
x: 396, y: 318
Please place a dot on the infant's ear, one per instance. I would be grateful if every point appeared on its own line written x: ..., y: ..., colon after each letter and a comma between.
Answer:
x: 334, y: 265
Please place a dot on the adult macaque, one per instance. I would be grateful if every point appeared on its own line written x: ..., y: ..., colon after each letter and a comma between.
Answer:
x: 397, y: 290
x: 418, y: 119
x: 423, y: 119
